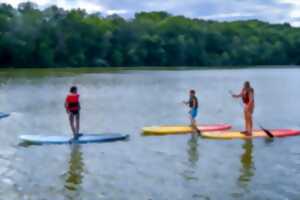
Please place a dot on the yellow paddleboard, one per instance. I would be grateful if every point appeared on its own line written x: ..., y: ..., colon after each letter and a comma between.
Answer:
x: 170, y: 130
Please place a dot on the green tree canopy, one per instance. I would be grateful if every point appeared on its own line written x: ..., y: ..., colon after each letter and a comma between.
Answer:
x: 54, y: 37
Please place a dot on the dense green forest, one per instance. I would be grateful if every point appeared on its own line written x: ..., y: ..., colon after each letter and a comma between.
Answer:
x: 55, y: 37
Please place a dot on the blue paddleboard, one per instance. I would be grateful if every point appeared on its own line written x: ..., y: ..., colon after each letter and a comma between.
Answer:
x: 3, y: 115
x: 85, y: 138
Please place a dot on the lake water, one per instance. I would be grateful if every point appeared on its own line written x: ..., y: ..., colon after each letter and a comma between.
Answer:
x: 177, y: 167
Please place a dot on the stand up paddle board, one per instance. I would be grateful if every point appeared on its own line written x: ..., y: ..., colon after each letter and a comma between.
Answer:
x: 227, y: 135
x: 85, y: 138
x: 3, y: 115
x: 170, y: 130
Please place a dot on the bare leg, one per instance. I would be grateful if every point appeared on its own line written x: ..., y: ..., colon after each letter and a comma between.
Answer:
x: 250, y: 123
x: 245, y: 121
x: 191, y: 120
x: 77, y: 123
x: 71, y: 120
x: 251, y: 120
x: 194, y: 125
x: 249, y: 132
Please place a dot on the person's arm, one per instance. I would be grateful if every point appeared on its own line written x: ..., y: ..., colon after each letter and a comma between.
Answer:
x: 238, y: 95
x: 66, y: 106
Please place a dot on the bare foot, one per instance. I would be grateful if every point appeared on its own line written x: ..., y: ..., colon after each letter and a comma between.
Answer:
x: 246, y: 133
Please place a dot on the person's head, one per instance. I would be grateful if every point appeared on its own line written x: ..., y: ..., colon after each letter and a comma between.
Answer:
x: 192, y: 93
x: 73, y: 89
x: 247, y: 85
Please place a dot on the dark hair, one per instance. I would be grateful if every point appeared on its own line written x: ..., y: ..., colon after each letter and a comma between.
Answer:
x: 192, y: 91
x: 73, y: 89
x: 247, y: 84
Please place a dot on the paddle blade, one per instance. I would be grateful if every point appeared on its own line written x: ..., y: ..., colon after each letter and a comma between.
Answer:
x: 267, y: 132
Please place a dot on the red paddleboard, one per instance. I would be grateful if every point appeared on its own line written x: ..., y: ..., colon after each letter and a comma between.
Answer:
x: 255, y: 134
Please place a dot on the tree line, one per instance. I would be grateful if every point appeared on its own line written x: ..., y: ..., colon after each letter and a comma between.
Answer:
x: 54, y: 37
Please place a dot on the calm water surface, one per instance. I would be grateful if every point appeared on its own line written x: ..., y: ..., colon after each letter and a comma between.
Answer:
x: 158, y: 168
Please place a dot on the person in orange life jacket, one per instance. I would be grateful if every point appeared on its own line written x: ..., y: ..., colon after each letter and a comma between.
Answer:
x: 72, y: 106
x: 247, y: 95
x: 193, y: 105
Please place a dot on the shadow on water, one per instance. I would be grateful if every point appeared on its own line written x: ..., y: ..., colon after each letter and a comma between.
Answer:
x: 247, y: 169
x: 74, y: 175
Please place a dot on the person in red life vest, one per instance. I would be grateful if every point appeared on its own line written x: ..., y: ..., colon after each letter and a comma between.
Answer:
x: 72, y: 106
x: 247, y: 95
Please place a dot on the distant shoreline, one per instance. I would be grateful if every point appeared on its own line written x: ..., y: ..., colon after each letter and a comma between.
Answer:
x: 151, y: 68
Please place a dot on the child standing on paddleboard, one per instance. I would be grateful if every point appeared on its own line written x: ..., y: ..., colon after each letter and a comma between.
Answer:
x: 72, y: 106
x: 247, y: 95
x: 193, y: 105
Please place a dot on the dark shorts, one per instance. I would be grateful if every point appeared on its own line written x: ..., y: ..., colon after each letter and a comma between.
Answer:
x: 74, y: 112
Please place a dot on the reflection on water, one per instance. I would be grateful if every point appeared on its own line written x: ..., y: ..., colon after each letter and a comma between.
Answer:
x: 193, y: 150
x: 75, y: 173
x: 193, y: 157
x: 247, y: 169
x: 268, y: 141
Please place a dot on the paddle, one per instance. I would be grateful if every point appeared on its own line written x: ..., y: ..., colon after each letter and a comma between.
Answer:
x: 266, y: 131
x: 260, y: 126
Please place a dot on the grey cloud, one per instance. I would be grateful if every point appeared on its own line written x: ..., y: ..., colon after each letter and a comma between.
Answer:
x: 267, y: 10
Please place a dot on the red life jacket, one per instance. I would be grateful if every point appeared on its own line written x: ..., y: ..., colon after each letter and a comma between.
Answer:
x: 72, y: 102
x: 246, y: 97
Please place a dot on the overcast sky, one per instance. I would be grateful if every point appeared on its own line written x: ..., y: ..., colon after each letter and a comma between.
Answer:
x: 275, y: 11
